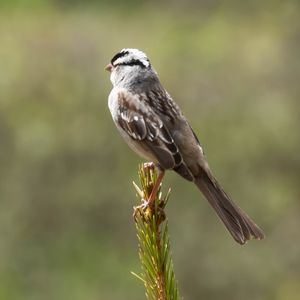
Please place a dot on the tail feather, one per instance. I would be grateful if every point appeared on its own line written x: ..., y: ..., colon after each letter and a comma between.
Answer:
x: 240, y: 226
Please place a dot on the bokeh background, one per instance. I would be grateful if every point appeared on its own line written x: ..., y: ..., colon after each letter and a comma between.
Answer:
x: 66, y: 197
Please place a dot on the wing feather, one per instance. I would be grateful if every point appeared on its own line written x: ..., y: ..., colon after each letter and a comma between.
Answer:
x: 143, y: 126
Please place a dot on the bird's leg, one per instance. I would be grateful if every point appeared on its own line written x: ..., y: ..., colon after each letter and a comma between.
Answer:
x: 149, y: 203
x: 156, y: 187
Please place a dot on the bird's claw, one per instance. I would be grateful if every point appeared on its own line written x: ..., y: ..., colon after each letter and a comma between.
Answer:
x: 149, y: 165
x: 141, y: 209
x: 146, y: 209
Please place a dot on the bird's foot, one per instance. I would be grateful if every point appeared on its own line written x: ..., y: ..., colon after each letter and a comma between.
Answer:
x: 142, y: 209
x: 147, y: 209
x: 149, y: 165
x: 150, y: 205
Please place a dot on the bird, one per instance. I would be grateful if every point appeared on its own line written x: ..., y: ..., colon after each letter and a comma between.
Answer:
x: 153, y: 126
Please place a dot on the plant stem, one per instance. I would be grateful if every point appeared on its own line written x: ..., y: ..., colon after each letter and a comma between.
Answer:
x: 154, y: 244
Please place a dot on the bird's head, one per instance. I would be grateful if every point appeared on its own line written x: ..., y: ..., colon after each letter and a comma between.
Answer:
x: 126, y: 63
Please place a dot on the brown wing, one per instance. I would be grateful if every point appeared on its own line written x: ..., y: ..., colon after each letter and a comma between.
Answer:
x: 143, y: 126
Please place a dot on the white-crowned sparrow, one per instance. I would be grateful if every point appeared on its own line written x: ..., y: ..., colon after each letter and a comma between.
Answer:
x: 153, y: 125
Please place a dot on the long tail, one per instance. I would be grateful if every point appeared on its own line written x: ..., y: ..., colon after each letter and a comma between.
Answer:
x: 240, y: 226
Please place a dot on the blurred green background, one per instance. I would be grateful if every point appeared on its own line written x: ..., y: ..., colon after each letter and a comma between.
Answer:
x: 66, y: 196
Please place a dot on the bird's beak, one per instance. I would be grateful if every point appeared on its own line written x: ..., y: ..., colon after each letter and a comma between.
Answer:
x: 109, y: 67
